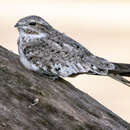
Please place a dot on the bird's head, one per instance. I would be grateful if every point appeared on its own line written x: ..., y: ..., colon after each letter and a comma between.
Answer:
x: 33, y: 25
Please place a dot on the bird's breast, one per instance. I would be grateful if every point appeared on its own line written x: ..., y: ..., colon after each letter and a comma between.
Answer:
x: 26, y: 62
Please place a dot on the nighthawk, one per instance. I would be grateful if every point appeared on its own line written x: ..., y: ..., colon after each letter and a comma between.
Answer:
x: 44, y: 49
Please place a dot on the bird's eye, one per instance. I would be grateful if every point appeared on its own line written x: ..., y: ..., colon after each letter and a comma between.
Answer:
x: 32, y: 23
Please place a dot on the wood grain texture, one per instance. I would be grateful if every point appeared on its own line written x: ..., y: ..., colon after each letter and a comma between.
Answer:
x: 61, y: 106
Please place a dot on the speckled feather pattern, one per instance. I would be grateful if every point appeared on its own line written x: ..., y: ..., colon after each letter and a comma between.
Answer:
x: 58, y: 54
x: 49, y: 52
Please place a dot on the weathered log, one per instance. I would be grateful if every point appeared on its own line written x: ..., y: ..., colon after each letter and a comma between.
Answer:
x: 29, y: 101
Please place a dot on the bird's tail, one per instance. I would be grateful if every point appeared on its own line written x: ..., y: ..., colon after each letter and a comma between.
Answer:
x: 119, y: 71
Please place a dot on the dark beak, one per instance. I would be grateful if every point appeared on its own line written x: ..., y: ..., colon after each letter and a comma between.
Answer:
x: 16, y: 25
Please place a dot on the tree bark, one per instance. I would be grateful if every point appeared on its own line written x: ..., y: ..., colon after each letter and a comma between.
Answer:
x: 29, y: 101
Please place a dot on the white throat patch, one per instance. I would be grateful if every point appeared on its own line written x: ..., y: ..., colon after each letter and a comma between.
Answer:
x: 27, y: 37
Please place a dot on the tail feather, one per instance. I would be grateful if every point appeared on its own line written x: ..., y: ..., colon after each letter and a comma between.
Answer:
x: 119, y: 71
x: 120, y: 79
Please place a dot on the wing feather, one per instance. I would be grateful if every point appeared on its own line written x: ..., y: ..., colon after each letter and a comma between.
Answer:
x: 61, y: 55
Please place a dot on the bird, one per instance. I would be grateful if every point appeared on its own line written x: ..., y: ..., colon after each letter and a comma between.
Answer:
x: 47, y: 51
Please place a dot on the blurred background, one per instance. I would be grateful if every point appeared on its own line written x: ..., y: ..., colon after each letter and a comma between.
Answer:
x: 102, y: 26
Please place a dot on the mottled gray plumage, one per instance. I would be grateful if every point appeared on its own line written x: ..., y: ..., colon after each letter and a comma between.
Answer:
x: 46, y: 50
